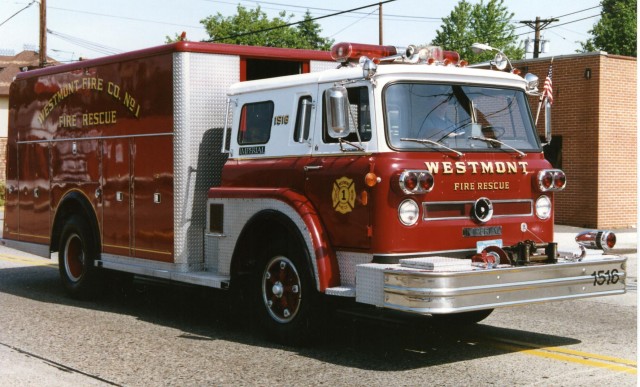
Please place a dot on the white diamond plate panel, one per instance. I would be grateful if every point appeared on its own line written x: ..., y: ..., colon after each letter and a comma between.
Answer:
x: 370, y: 284
x: 200, y: 85
x: 438, y: 264
x: 237, y: 213
x: 347, y: 261
x: 319, y: 65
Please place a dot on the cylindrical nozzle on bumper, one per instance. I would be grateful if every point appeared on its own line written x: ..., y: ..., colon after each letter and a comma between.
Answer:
x: 597, y: 239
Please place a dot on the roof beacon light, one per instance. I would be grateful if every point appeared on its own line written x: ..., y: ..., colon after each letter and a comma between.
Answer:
x: 345, y: 52
x: 354, y: 52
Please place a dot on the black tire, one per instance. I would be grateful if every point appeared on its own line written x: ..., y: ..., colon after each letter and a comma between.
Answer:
x: 77, y: 253
x: 285, y: 295
x: 463, y: 318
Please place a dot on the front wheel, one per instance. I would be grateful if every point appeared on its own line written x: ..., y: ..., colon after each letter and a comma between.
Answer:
x: 288, y: 300
x: 77, y: 253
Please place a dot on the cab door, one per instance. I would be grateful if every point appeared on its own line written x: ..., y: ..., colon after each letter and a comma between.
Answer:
x: 336, y: 171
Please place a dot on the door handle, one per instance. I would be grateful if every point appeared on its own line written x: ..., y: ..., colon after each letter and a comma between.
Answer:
x: 312, y: 167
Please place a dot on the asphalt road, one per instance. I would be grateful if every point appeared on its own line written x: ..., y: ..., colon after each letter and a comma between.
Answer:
x: 153, y: 334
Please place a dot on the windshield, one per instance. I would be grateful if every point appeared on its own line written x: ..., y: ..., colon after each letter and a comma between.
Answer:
x: 458, y: 116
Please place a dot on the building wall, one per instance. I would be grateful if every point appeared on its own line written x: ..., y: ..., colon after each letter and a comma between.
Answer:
x: 4, y: 124
x: 617, y: 167
x: 594, y: 113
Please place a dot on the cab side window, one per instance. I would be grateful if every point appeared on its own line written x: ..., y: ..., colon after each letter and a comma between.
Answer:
x: 303, y: 119
x: 359, y: 117
x: 255, y: 123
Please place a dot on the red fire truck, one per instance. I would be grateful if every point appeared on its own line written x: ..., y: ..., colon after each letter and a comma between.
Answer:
x: 399, y: 178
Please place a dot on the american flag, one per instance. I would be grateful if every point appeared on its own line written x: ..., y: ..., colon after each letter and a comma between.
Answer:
x: 548, y: 87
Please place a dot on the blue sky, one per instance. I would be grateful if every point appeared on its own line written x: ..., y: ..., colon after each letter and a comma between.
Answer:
x: 124, y: 25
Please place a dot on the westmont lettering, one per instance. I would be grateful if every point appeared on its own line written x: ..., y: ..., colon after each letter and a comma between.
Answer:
x: 477, y: 167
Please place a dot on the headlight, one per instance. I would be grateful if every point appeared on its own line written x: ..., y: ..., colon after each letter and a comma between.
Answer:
x: 408, y: 212
x: 543, y: 207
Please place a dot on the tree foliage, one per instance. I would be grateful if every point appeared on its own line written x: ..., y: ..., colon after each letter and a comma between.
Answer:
x: 252, y: 27
x: 616, y: 30
x: 488, y: 23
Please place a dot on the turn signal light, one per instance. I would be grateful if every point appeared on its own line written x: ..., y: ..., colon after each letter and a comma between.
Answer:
x: 416, y: 182
x: 551, y: 180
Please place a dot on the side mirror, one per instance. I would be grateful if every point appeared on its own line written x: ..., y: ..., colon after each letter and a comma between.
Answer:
x: 547, y: 123
x: 532, y: 83
x: 336, y: 100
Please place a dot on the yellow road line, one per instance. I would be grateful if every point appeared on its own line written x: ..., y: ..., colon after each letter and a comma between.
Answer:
x: 28, y: 261
x: 569, y: 355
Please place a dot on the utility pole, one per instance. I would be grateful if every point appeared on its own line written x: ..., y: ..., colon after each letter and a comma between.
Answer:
x: 538, y: 25
x: 380, y: 24
x: 43, y: 33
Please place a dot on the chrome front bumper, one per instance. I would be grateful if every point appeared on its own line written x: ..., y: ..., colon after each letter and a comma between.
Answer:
x: 439, y: 285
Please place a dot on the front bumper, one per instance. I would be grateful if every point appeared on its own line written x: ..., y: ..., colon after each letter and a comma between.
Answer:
x: 440, y: 285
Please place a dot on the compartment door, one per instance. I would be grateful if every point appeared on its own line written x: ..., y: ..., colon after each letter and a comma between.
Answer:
x: 116, y: 187
x: 152, y: 161
x: 34, y: 187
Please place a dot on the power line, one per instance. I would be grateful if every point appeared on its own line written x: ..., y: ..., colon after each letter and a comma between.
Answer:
x: 296, y: 23
x: 97, y: 47
x: 563, y: 24
x: 567, y: 14
x: 355, y: 22
x: 11, y: 17
x: 321, y: 9
x: 125, y: 18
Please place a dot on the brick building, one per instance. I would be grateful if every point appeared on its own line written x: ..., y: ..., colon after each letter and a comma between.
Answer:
x: 594, y: 121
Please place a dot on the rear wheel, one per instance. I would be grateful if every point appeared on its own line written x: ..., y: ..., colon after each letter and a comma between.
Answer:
x: 76, y: 257
x: 286, y: 296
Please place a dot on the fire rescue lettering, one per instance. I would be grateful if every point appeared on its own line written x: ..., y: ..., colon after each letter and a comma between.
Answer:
x: 477, y: 167
x: 89, y: 83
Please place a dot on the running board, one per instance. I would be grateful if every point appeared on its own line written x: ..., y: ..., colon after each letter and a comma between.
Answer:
x: 202, y: 278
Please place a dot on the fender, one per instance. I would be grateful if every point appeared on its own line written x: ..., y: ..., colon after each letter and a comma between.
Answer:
x: 324, y: 254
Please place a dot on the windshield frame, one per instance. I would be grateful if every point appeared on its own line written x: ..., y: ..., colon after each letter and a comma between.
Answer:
x: 534, y: 140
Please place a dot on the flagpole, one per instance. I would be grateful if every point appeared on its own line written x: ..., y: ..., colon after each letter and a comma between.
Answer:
x: 543, y: 98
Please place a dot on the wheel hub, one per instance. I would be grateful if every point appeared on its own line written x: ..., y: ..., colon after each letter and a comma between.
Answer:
x: 281, y: 289
x: 278, y: 289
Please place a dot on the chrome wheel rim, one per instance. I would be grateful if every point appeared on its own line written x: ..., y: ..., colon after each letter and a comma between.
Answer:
x: 74, y: 259
x: 281, y: 289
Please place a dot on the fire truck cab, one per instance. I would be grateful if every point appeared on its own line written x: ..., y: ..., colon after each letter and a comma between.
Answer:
x: 402, y: 179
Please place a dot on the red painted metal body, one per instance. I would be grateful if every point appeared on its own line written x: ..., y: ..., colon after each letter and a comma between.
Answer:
x: 373, y: 226
x: 103, y: 129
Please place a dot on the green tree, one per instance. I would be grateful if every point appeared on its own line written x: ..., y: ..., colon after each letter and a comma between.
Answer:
x: 309, y: 34
x: 252, y: 27
x: 488, y: 23
x: 616, y: 30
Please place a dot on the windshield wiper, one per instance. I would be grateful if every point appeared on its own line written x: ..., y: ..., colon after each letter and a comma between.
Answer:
x: 494, y: 141
x: 431, y: 142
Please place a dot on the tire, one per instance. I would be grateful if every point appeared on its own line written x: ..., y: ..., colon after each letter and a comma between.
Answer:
x: 286, y: 297
x: 76, y: 256
x: 464, y: 318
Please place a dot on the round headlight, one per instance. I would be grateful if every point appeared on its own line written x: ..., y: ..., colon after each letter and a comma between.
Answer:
x: 408, y: 212
x: 543, y: 207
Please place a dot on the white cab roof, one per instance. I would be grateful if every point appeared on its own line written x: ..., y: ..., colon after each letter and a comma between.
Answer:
x: 386, y: 73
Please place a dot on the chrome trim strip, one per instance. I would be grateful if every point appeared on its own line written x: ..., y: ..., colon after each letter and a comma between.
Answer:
x: 425, y: 204
x: 93, y: 138
x: 424, y: 253
x: 38, y: 249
